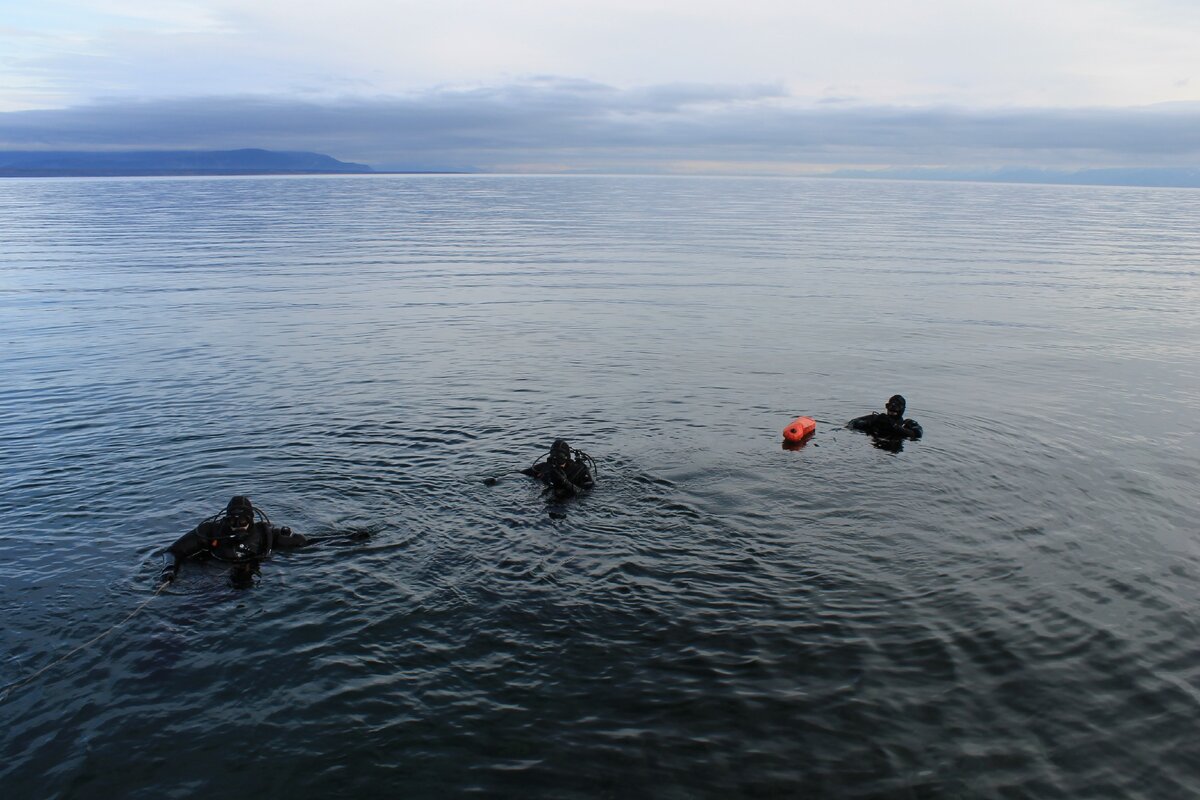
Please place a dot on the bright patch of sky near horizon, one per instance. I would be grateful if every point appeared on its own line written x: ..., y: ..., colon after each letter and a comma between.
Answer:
x: 978, y: 54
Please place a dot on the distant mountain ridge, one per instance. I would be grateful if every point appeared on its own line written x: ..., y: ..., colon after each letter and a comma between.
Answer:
x: 250, y: 161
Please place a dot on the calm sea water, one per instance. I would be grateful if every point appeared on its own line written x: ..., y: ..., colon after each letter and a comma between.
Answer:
x: 1007, y: 608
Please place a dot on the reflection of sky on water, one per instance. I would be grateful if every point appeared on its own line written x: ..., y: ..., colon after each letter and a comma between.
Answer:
x: 357, y: 352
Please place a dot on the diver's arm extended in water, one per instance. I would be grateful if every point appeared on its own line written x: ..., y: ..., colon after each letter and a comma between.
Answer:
x: 869, y: 423
x: 284, y: 539
x: 883, y: 425
x: 351, y: 536
x: 185, y: 547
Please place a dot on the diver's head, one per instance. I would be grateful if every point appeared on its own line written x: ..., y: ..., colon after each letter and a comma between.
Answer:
x: 240, y: 513
x: 560, y: 452
x: 895, y: 406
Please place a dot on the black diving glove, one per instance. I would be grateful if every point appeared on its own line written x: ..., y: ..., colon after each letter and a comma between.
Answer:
x: 168, y: 574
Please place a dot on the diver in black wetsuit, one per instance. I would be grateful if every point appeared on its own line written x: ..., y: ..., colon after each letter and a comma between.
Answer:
x: 564, y: 471
x: 234, y: 536
x: 888, y: 427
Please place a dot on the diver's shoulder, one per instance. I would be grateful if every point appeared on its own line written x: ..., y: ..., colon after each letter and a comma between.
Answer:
x: 205, y: 528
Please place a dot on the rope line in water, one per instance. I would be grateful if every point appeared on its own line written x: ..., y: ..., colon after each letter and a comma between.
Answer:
x: 8, y: 689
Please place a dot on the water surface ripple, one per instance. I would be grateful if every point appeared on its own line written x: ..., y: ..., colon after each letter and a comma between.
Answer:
x: 1007, y: 608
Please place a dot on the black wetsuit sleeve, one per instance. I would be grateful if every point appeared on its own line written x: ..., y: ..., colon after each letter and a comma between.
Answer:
x: 570, y: 481
x: 565, y: 482
x: 884, y: 426
x: 189, y: 544
x: 580, y: 476
x: 867, y: 424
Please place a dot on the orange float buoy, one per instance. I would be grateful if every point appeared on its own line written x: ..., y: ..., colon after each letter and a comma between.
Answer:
x: 800, y: 428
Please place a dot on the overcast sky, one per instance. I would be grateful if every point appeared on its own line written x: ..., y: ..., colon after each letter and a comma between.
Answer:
x: 642, y: 85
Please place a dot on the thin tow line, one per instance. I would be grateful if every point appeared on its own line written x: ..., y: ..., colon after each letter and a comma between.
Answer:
x: 8, y: 689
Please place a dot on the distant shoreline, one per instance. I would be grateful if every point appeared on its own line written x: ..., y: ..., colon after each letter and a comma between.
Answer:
x: 183, y: 173
x: 1094, y: 181
x: 176, y: 164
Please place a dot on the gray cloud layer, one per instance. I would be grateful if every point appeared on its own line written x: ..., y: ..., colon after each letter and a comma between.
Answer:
x: 588, y: 126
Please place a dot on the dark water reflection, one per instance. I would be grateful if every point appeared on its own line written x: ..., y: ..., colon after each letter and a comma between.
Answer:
x: 1007, y: 608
